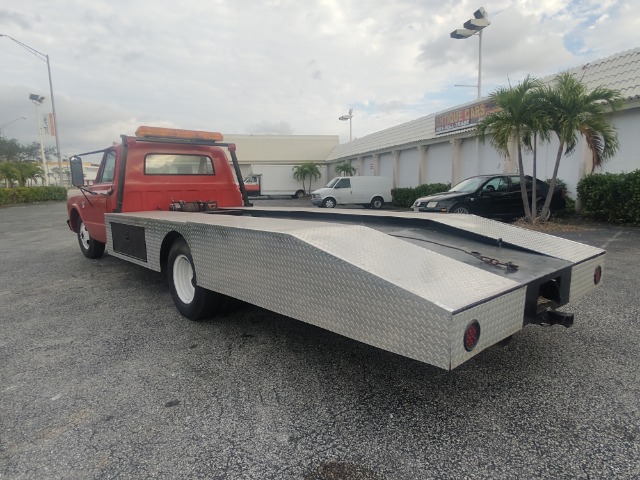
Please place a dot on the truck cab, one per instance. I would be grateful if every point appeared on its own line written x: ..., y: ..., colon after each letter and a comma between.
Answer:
x: 155, y: 170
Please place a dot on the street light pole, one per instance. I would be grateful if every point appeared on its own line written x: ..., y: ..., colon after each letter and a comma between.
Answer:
x: 37, y: 101
x: 471, y: 27
x: 45, y: 58
x: 4, y: 125
x: 349, y: 116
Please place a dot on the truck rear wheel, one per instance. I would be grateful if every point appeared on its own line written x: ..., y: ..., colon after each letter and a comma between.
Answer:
x: 298, y: 194
x: 192, y: 301
x: 377, y: 203
x: 90, y: 248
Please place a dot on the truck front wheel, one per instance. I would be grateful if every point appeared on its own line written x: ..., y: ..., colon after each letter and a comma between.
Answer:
x: 192, y: 301
x: 90, y: 248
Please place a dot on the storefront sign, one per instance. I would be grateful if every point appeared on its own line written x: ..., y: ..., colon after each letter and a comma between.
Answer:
x: 463, y: 117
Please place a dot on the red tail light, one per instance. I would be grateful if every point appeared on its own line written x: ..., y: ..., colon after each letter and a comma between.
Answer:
x: 597, y: 275
x: 471, y: 336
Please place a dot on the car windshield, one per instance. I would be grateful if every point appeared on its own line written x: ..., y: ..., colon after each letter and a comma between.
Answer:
x: 332, y: 182
x: 469, y: 185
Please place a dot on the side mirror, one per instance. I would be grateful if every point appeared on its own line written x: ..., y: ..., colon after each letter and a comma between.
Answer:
x: 77, y: 175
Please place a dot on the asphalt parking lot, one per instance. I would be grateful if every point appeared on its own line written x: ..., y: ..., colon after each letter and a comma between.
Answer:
x: 100, y: 377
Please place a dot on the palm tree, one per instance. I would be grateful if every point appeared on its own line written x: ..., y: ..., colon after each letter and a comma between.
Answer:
x: 537, y: 127
x: 308, y: 169
x: 8, y: 173
x: 572, y: 109
x: 345, y: 169
x: 28, y: 171
x: 517, y: 106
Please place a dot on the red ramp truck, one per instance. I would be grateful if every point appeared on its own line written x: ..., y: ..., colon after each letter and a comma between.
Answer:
x: 439, y: 288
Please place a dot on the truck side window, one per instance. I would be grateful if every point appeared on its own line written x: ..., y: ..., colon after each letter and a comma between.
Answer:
x: 108, y: 169
x: 343, y: 183
x: 176, y: 164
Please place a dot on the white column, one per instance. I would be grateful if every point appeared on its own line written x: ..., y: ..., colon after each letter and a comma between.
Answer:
x: 456, y: 143
x: 422, y: 167
x: 396, y: 167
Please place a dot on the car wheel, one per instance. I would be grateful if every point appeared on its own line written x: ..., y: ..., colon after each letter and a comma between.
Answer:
x: 329, y: 202
x: 377, y: 203
x: 192, y: 301
x: 90, y: 248
x: 298, y: 194
x: 459, y: 209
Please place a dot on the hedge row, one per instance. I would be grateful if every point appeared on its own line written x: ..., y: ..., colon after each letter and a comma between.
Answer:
x: 9, y: 196
x: 404, y: 197
x: 611, y: 197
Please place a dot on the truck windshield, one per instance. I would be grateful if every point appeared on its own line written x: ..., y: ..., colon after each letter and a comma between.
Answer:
x: 176, y: 164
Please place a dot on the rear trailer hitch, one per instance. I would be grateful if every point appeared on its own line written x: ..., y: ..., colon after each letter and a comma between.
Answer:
x: 554, y: 317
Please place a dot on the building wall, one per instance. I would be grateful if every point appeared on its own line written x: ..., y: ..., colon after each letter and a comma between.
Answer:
x: 438, y: 164
x: 281, y: 149
x: 386, y: 166
x: 369, y: 166
x: 474, y: 158
x: 409, y: 168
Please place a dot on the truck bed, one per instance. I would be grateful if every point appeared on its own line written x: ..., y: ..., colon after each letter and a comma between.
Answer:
x: 407, y: 282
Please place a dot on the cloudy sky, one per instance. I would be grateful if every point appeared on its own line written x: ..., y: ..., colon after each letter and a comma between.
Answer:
x: 278, y: 66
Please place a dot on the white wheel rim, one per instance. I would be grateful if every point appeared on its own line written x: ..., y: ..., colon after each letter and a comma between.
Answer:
x: 84, y: 236
x: 183, y: 279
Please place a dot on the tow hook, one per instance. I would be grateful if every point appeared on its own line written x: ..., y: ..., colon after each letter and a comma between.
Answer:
x: 554, y: 317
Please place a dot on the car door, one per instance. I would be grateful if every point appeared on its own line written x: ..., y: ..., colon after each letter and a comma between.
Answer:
x: 493, y: 197
x: 99, y: 197
x: 515, y: 205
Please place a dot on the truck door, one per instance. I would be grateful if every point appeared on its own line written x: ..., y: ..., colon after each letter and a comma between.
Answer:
x: 101, y: 197
x: 342, y: 190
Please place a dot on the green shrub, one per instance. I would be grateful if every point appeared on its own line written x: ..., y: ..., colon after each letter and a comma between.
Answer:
x: 611, y: 197
x: 9, y: 196
x: 405, y: 196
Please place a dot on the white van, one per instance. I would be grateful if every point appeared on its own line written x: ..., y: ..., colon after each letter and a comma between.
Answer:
x: 370, y: 192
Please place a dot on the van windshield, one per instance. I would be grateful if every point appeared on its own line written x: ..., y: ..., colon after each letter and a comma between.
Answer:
x: 332, y: 182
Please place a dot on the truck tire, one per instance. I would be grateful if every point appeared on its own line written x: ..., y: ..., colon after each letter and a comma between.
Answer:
x: 298, y: 194
x: 192, y: 301
x: 90, y: 248
x: 329, y: 202
x: 377, y: 203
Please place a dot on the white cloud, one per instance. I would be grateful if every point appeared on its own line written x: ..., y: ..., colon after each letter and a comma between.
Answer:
x: 280, y: 66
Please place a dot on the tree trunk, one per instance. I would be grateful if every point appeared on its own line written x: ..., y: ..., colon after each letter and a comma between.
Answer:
x: 523, y: 185
x: 534, y: 189
x: 552, y: 185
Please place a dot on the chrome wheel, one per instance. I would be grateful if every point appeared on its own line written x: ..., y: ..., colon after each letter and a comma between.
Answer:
x: 459, y: 209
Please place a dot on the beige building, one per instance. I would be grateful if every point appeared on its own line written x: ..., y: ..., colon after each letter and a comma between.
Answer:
x: 281, y: 149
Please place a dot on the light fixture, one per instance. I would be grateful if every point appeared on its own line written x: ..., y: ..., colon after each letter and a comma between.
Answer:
x: 344, y: 118
x: 472, y: 27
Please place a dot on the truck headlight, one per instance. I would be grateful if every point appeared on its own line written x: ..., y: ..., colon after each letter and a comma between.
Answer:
x: 432, y: 204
